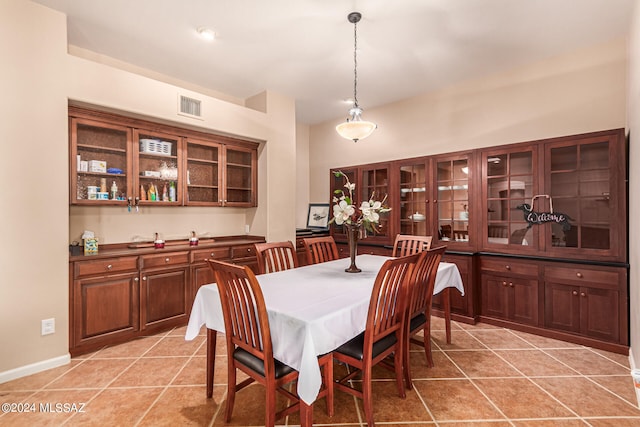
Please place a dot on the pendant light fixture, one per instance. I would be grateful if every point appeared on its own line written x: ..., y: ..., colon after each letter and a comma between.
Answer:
x: 354, y: 127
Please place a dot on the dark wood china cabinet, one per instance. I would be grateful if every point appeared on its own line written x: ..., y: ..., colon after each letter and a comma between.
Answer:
x: 538, y: 230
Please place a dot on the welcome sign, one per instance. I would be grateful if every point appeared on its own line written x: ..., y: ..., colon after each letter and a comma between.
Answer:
x: 532, y: 217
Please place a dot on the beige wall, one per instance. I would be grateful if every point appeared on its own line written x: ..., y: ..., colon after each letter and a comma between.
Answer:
x: 39, y: 77
x: 302, y: 175
x: 634, y: 183
x: 575, y: 93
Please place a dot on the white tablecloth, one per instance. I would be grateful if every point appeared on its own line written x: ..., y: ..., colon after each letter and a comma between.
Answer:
x: 312, y: 310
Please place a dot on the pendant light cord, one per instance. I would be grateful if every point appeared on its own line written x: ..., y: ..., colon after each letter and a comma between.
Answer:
x: 355, y: 64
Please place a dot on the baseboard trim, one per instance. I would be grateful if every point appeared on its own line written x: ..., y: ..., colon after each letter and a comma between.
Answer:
x: 34, y: 368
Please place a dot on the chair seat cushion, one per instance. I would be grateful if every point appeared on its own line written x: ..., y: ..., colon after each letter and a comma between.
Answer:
x: 417, y: 321
x: 355, y: 346
x: 256, y: 364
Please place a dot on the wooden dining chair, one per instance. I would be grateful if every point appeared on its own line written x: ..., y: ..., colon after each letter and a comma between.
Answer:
x: 420, y: 295
x: 407, y: 244
x: 320, y: 249
x: 276, y: 256
x: 249, y: 346
x: 382, y: 335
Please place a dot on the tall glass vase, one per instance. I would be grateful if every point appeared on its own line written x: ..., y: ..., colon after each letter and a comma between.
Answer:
x: 353, y: 233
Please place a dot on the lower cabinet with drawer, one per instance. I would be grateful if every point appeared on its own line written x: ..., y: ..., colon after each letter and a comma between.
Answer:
x: 590, y: 301
x: 165, y: 291
x: 509, y: 290
x: 123, y: 293
x: 104, y: 302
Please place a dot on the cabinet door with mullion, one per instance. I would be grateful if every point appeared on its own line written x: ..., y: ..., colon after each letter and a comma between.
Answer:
x: 510, y: 184
x: 413, y: 210
x: 452, y: 201
x: 374, y: 184
x: 583, y: 182
x: 203, y: 169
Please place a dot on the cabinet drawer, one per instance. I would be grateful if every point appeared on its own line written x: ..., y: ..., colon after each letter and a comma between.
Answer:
x: 106, y: 265
x: 579, y: 275
x: 243, y: 251
x: 162, y: 260
x: 509, y: 266
x: 211, y: 253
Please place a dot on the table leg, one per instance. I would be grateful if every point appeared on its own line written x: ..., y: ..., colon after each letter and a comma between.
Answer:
x: 306, y: 414
x: 446, y: 301
x: 212, y: 335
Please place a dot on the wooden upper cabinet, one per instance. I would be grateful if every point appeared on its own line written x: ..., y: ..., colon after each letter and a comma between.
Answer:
x: 154, y: 164
x: 157, y: 158
x: 452, y: 201
x: 584, y: 178
x: 100, y: 155
x: 510, y: 182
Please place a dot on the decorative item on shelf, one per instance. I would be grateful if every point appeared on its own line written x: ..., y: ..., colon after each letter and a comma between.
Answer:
x: 532, y: 217
x: 464, y: 214
x: 193, y: 240
x: 90, y: 243
x: 172, y: 191
x: 354, y: 127
x: 357, y: 221
x: 158, y: 243
x: 143, y: 193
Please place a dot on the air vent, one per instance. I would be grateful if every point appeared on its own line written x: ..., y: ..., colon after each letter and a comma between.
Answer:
x: 189, y: 107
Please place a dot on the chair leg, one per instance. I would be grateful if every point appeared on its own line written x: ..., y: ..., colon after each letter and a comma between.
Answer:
x: 231, y: 391
x: 398, y: 360
x: 406, y: 341
x: 367, y: 399
x: 270, y: 405
x: 427, y: 344
x: 328, y: 381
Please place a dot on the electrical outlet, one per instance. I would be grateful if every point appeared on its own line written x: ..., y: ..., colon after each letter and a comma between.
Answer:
x: 246, y: 228
x: 48, y: 326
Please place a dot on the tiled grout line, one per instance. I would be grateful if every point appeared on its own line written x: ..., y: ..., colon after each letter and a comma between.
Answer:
x: 164, y: 389
x: 134, y: 360
x: 529, y: 378
x: 474, y: 384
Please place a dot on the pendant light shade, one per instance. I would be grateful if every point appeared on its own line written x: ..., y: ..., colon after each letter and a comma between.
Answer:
x: 354, y: 128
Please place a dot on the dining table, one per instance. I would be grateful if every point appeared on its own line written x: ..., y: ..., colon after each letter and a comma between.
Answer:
x: 312, y: 310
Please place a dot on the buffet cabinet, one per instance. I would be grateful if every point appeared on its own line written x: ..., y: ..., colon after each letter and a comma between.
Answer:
x: 118, y: 160
x: 538, y: 230
x: 122, y: 292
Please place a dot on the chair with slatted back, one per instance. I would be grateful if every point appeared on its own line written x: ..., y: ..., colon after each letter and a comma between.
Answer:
x: 320, y: 249
x: 407, y: 244
x: 383, y: 333
x: 276, y: 256
x: 420, y: 295
x: 249, y: 346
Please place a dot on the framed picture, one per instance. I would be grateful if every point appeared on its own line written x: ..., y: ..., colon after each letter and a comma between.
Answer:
x: 318, y: 217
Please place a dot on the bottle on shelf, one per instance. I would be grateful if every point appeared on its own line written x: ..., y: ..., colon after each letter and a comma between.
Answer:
x: 143, y: 193
x: 114, y: 191
x: 165, y: 195
x: 172, y: 191
x: 151, y: 193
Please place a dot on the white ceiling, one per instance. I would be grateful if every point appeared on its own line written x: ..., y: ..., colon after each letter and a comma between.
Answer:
x: 304, y: 48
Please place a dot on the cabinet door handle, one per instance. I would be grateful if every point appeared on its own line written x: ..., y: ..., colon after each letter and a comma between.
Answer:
x: 508, y: 267
x: 574, y: 293
x: 212, y: 254
x: 167, y: 259
x: 109, y: 267
x: 504, y: 283
x: 511, y: 284
x: 144, y: 278
x: 579, y: 275
x: 135, y: 279
x: 582, y: 294
x: 249, y: 250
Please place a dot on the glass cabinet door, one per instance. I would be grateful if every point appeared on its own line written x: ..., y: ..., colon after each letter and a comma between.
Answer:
x: 579, y: 185
x: 414, y: 215
x: 510, y: 187
x: 156, y: 167
x: 203, y: 173
x: 452, y: 199
x: 374, y: 184
x: 240, y: 177
x: 99, y: 163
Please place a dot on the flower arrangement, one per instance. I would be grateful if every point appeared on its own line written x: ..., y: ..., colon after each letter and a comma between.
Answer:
x: 345, y: 211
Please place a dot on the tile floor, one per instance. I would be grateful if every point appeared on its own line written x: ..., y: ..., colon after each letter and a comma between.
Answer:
x: 488, y: 376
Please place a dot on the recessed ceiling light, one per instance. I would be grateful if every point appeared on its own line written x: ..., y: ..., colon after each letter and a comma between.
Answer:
x: 206, y: 33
